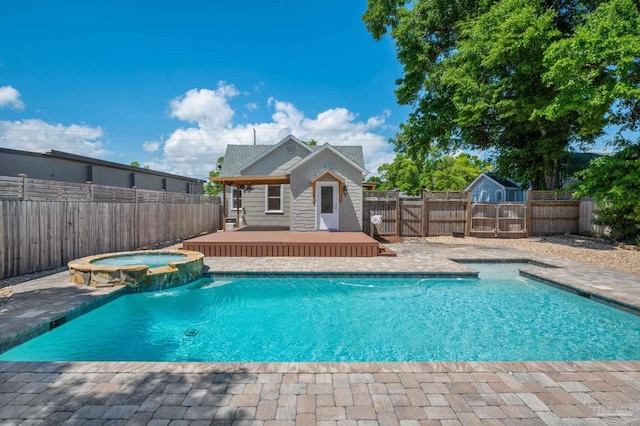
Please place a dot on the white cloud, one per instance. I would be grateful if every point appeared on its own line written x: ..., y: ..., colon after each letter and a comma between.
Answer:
x: 39, y: 136
x: 151, y: 146
x: 208, y: 108
x: 10, y: 97
x: 194, y: 151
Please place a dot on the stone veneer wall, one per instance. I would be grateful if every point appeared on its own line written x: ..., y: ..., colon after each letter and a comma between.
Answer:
x: 137, y: 278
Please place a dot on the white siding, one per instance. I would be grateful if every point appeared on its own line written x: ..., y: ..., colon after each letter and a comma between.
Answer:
x: 254, y: 208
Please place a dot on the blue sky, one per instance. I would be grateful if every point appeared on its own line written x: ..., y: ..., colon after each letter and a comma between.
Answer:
x: 169, y: 84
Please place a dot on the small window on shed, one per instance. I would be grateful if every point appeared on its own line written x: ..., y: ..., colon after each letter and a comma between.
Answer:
x: 498, y: 196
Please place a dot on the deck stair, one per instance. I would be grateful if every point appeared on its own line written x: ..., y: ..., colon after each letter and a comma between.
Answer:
x: 385, y: 251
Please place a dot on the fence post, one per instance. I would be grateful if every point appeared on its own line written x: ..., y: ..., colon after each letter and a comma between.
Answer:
x: 424, y: 213
x: 528, y: 214
x: 89, y: 190
x: 467, y: 222
x: 398, y: 215
x: 23, y: 187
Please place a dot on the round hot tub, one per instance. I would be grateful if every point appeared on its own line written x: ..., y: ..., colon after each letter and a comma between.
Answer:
x: 139, y: 270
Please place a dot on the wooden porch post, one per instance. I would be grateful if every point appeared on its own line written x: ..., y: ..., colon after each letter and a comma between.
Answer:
x: 237, y: 206
x: 224, y: 207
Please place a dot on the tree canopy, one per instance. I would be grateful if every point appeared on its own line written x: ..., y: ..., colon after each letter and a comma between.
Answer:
x: 614, y: 182
x: 528, y: 79
x: 436, y: 173
x: 214, y: 188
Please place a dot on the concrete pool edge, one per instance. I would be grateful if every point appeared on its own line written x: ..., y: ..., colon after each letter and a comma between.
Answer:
x: 591, y: 295
x: 56, y: 319
x: 293, y: 274
x: 509, y: 367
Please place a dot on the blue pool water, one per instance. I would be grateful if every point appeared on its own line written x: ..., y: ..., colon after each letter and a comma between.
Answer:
x: 152, y: 260
x: 346, y: 319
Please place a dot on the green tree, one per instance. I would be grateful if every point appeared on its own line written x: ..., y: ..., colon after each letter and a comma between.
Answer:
x: 214, y: 188
x: 441, y: 173
x: 401, y: 174
x: 137, y: 164
x: 453, y: 173
x: 487, y: 74
x: 614, y: 183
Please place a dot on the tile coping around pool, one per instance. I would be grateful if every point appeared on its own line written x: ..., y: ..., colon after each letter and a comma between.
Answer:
x: 582, y: 293
x: 293, y: 274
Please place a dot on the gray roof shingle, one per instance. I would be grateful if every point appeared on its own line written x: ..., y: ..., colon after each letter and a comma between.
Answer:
x: 237, y: 156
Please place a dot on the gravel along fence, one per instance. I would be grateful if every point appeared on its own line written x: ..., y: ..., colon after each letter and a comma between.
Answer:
x: 573, y: 247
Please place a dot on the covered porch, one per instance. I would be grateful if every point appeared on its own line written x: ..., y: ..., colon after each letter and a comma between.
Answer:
x: 271, y: 242
x: 240, y: 182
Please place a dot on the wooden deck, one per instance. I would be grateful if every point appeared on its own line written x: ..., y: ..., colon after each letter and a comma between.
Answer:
x: 241, y: 243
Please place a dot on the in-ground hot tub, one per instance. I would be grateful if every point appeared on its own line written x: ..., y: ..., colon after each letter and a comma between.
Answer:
x: 139, y: 270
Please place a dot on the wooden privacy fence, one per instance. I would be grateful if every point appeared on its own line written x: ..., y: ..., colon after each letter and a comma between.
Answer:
x: 453, y: 213
x: 43, y: 234
x: 27, y: 189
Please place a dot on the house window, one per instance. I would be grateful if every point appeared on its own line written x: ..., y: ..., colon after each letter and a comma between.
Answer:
x: 498, y: 196
x: 274, y: 199
x: 236, y: 203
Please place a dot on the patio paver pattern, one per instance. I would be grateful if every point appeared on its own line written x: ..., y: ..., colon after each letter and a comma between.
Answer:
x: 131, y: 393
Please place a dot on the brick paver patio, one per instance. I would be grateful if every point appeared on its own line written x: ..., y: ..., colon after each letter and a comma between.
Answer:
x: 131, y: 393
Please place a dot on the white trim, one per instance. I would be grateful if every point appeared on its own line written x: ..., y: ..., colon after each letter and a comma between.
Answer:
x: 232, y: 204
x: 266, y: 200
x: 318, y: 151
x: 336, y: 210
x: 273, y: 148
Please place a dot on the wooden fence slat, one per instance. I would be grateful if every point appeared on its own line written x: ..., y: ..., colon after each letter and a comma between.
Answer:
x: 42, y: 235
x: 448, y: 212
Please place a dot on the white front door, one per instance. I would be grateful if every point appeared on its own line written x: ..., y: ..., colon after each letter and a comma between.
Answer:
x: 326, y: 206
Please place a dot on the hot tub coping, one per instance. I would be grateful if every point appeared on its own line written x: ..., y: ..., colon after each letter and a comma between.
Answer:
x: 84, y: 264
x: 137, y: 277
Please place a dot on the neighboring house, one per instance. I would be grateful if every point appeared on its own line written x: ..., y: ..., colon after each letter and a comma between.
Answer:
x: 65, y: 167
x: 489, y: 188
x: 293, y: 185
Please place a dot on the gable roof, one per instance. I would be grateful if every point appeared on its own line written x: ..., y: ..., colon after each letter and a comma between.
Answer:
x: 333, y: 149
x: 237, y: 155
x: 272, y: 148
x: 500, y: 181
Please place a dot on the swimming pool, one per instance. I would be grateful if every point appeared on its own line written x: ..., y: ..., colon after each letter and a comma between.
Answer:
x: 346, y: 319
